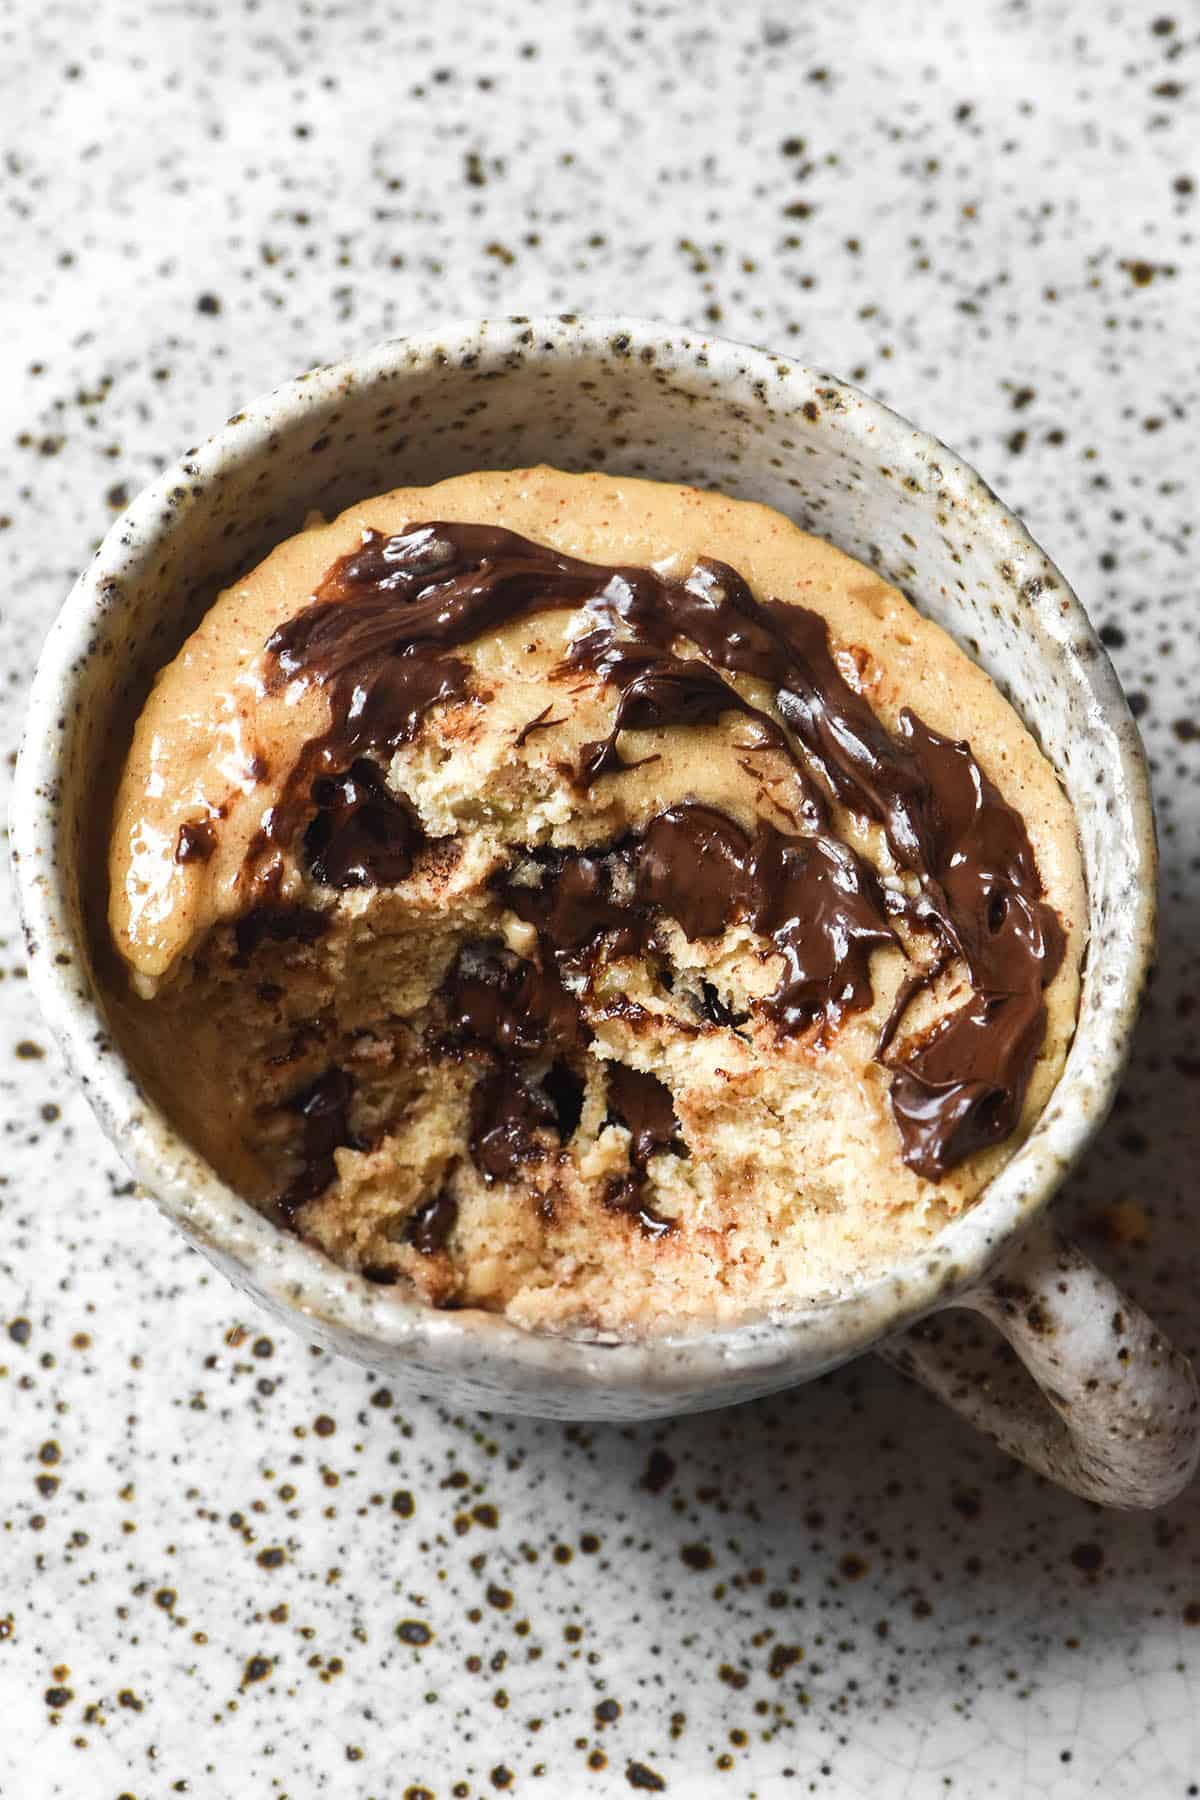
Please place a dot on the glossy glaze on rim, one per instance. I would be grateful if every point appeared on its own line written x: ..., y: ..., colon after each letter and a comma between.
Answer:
x: 480, y: 1356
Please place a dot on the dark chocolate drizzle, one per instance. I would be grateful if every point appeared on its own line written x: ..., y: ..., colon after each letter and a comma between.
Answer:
x: 196, y: 841
x: 499, y: 1005
x: 279, y: 924
x: 430, y: 1224
x: 502, y: 1003
x: 658, y: 689
x: 627, y: 1194
x: 509, y: 1120
x: 379, y: 683
x: 324, y: 1109
x: 565, y: 1090
x: 540, y: 722
x: 377, y: 638
x: 912, y: 985
x: 818, y: 901
x: 361, y: 835
x: 646, y: 1107
x: 506, y: 1006
x: 716, y: 1011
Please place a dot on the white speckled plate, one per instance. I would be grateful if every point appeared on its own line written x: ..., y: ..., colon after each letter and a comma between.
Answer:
x: 235, y: 1566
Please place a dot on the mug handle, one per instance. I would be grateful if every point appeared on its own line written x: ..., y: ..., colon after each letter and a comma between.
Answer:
x: 1112, y: 1412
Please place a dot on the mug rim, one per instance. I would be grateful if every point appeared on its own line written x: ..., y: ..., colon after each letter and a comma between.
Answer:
x: 298, y: 1279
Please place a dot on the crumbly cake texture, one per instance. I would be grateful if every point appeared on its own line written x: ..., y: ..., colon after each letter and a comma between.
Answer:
x: 308, y: 1026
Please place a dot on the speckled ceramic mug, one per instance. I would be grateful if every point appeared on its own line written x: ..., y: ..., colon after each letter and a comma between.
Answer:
x: 1117, y: 1417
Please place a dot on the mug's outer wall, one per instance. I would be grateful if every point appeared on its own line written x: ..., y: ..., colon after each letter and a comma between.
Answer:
x: 635, y: 398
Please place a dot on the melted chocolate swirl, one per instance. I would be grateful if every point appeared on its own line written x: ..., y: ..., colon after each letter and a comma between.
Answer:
x: 818, y: 901
x: 379, y: 638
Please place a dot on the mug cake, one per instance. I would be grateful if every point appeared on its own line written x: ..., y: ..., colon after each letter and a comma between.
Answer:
x: 591, y: 900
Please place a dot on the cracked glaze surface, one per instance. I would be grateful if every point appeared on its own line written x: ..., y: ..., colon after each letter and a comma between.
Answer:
x: 947, y: 1605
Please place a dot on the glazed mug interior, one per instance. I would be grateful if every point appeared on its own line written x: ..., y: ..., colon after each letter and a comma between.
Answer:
x: 626, y: 397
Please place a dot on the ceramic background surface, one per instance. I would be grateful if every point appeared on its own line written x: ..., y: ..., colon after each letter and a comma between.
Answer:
x: 230, y: 1555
